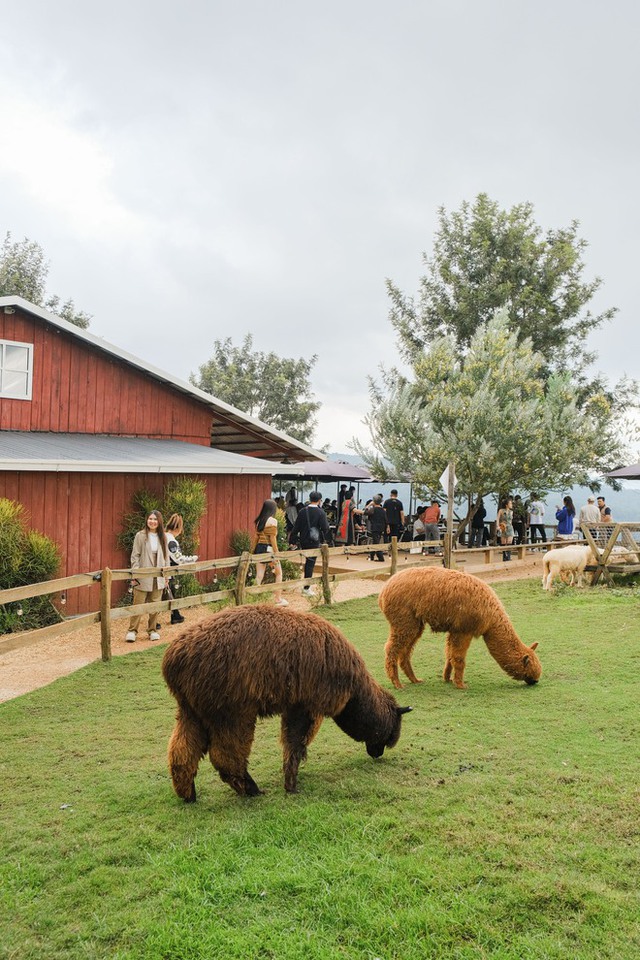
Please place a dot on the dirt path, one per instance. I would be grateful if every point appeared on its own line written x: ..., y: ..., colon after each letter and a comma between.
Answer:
x: 24, y: 670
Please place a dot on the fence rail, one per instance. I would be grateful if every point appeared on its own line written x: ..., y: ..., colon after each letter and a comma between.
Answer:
x: 412, y: 551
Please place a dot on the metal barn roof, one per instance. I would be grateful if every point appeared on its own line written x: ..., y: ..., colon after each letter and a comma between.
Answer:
x: 89, y: 453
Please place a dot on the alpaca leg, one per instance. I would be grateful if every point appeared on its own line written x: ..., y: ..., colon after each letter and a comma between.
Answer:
x: 188, y: 744
x: 402, y: 640
x: 456, y: 648
x: 231, y: 741
x: 448, y: 661
x: 298, y: 728
x: 405, y: 663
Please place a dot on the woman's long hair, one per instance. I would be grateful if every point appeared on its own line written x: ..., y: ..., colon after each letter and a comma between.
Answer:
x: 162, y: 537
x: 175, y: 524
x: 269, y: 508
x: 568, y: 502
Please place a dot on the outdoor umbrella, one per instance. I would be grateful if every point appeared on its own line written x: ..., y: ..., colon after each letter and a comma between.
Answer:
x: 329, y: 471
x: 631, y: 472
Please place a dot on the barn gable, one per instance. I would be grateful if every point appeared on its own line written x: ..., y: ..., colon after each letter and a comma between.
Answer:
x: 80, y: 383
x: 84, y: 425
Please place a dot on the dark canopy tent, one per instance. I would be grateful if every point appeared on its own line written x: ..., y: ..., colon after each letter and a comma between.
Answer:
x: 631, y: 472
x: 334, y: 471
x: 328, y: 471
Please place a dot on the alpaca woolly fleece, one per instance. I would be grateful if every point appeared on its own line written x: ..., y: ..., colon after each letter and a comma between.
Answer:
x: 457, y: 604
x: 259, y: 661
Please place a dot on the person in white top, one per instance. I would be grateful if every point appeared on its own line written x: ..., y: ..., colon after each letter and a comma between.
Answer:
x: 149, y: 550
x: 590, y: 513
x: 536, y: 518
x: 175, y: 529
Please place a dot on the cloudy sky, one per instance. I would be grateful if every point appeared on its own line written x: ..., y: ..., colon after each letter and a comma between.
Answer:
x: 205, y: 169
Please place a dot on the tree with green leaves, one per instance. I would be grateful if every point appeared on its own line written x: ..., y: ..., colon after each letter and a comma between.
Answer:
x: 23, y: 273
x: 485, y: 258
x: 491, y: 412
x: 276, y: 390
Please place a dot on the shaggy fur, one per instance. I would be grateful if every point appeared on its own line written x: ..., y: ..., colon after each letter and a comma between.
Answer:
x: 456, y: 603
x: 569, y: 562
x: 258, y: 661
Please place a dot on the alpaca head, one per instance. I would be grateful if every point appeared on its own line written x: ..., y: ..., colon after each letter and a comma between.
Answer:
x: 375, y: 748
x: 531, y: 668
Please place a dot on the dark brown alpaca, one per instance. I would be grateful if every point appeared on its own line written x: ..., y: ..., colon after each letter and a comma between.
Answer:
x: 457, y: 604
x: 258, y: 661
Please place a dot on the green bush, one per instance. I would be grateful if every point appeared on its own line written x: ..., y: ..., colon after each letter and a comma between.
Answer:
x: 240, y: 542
x: 26, y: 556
x: 188, y: 497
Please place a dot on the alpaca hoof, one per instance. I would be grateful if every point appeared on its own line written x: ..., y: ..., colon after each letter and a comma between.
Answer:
x: 396, y: 684
x: 416, y: 680
x: 461, y: 686
x: 192, y: 796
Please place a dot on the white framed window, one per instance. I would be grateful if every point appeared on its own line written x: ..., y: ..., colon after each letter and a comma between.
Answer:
x: 16, y: 370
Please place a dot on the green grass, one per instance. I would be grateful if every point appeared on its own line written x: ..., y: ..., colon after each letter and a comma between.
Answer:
x: 503, y: 825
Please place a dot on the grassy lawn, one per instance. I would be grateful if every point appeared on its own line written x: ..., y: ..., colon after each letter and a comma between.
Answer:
x: 503, y: 825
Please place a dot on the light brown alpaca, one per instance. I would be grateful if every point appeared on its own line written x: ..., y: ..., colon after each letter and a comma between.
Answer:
x: 462, y: 606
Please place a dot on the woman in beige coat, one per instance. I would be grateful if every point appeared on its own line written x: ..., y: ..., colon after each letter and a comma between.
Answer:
x: 149, y: 550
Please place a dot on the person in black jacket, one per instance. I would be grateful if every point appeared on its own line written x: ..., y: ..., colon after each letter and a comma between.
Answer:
x: 395, y: 514
x: 477, y: 524
x: 311, y: 518
x: 377, y: 521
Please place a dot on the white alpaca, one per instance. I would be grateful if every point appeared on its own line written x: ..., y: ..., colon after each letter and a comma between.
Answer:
x: 565, y: 560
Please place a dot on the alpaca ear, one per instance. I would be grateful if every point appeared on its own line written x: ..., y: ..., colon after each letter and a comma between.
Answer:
x: 533, y: 645
x: 404, y: 709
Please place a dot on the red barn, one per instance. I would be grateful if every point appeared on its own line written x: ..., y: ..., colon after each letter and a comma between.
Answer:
x: 83, y: 425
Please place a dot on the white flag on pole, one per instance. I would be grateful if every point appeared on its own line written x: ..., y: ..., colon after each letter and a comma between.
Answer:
x: 444, y: 479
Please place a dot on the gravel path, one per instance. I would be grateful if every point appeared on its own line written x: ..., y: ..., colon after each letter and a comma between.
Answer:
x: 24, y: 670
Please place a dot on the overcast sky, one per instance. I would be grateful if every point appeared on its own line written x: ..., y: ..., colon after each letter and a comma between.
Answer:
x: 202, y: 169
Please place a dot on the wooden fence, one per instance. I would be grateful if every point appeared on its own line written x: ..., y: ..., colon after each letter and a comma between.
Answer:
x: 239, y: 566
x: 602, y: 537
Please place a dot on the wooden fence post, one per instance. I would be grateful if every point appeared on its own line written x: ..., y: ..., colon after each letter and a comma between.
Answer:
x: 326, y: 589
x: 105, y: 613
x: 241, y: 576
x: 394, y: 555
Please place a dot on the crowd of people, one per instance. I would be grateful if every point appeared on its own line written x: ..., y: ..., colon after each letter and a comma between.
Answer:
x: 521, y: 521
x: 342, y: 521
x: 375, y: 523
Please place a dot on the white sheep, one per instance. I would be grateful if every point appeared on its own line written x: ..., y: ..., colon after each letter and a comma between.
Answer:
x: 565, y: 560
x: 622, y: 554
